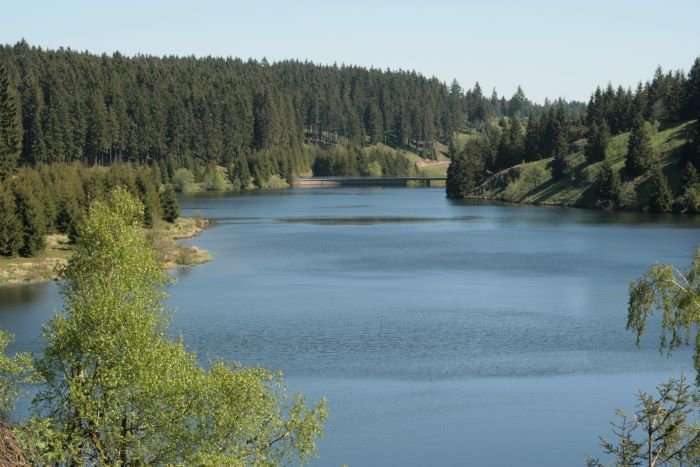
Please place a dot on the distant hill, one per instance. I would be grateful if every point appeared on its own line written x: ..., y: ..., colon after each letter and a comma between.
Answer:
x: 532, y: 182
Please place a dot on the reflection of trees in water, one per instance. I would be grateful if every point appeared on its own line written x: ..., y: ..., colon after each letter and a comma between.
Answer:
x: 12, y: 295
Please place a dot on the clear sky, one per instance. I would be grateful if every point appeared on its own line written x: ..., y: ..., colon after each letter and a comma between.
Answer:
x: 551, y: 48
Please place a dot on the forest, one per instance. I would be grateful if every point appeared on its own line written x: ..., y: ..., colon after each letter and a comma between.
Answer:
x: 161, y: 123
x: 192, y: 112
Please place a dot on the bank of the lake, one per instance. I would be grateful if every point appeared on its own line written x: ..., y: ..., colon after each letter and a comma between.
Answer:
x: 47, y: 266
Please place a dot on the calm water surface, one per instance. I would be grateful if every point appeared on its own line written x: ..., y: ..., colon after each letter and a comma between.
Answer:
x: 442, y: 333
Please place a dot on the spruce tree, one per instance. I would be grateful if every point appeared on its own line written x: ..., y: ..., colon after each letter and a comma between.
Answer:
x: 640, y: 153
x: 690, y: 190
x: 10, y: 127
x: 598, y: 140
x: 10, y: 225
x: 661, y: 199
x: 169, y: 205
x: 608, y: 187
x: 532, y: 140
x: 466, y: 170
x: 31, y: 214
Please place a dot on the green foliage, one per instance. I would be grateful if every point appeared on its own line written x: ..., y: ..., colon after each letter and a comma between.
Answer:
x: 117, y: 391
x: 214, y: 180
x: 183, y: 180
x: 677, y: 295
x: 169, y: 204
x: 466, y: 170
x: 10, y: 127
x: 608, y: 187
x: 355, y: 161
x: 640, y: 153
x: 13, y: 371
x: 662, y: 431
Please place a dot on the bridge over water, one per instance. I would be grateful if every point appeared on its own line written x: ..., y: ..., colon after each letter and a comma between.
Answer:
x: 330, y: 182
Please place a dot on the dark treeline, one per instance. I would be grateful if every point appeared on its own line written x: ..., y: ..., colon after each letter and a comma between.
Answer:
x: 54, y: 199
x: 667, y: 99
x: 186, y: 111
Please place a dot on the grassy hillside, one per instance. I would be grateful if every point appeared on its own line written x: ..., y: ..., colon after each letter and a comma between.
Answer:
x: 532, y: 182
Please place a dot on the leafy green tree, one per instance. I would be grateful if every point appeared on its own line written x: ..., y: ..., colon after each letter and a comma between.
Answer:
x: 662, y: 431
x: 10, y: 127
x: 169, y: 204
x: 10, y: 225
x: 676, y: 295
x: 213, y: 180
x: 608, y: 187
x: 640, y: 153
x: 117, y: 391
x: 14, y: 370
x: 183, y: 180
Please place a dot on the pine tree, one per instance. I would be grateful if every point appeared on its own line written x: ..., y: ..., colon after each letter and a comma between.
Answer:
x: 169, y: 204
x: 466, y: 170
x: 598, y: 140
x: 640, y: 153
x: 692, y: 92
x: 661, y: 199
x: 690, y: 197
x: 532, y: 140
x: 10, y: 127
x: 10, y: 225
x: 559, y: 128
x: 31, y: 214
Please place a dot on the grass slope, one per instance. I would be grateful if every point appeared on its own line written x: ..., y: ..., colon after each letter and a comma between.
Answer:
x: 532, y: 183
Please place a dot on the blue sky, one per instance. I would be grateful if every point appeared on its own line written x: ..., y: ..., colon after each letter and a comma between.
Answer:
x: 551, y: 48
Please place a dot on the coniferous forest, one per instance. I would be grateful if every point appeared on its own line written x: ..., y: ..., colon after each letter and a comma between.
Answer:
x: 186, y: 111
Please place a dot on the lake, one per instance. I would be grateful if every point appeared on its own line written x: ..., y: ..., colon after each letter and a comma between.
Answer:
x: 442, y: 333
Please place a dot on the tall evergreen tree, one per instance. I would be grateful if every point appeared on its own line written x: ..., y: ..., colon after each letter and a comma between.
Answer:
x: 690, y: 190
x: 169, y: 204
x: 10, y: 127
x: 598, y: 139
x: 640, y: 153
x: 661, y: 199
x: 466, y: 170
x: 32, y: 216
x: 608, y: 187
x: 10, y: 225
x: 557, y: 133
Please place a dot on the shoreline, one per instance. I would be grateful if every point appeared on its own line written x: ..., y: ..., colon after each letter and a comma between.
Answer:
x: 47, y: 266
